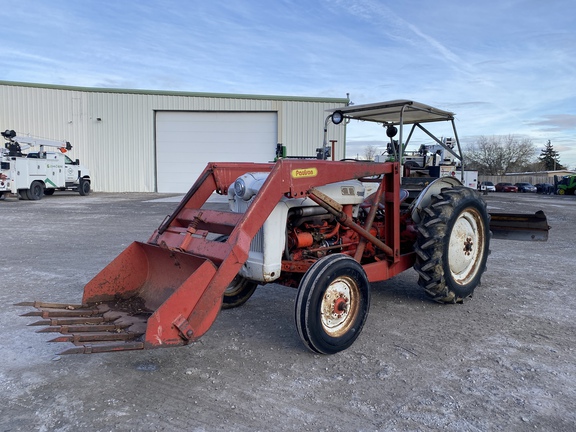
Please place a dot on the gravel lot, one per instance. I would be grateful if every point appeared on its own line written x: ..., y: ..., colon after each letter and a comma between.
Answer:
x: 503, y: 360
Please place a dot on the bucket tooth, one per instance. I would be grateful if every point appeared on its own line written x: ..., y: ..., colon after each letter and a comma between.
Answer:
x: 70, y: 321
x: 29, y: 304
x: 77, y: 338
x: 104, y: 347
x: 79, y: 328
x: 41, y: 323
x: 38, y: 304
x: 45, y: 312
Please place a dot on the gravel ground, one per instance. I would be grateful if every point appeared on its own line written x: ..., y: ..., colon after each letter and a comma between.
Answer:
x: 503, y: 360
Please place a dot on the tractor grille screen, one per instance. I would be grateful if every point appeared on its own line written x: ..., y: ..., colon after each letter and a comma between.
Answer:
x: 257, y: 244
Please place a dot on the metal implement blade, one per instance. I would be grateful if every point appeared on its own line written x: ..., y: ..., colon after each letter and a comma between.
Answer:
x: 515, y: 226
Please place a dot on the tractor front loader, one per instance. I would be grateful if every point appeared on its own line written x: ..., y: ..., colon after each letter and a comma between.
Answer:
x: 307, y: 223
x: 169, y: 290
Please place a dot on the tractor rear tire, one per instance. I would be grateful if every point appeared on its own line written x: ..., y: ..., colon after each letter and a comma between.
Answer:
x: 239, y: 290
x: 332, y: 304
x: 453, y: 244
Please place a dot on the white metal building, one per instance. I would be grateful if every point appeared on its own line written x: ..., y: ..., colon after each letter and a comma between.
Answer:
x: 145, y: 141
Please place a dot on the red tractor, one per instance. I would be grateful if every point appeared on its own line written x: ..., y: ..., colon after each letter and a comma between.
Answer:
x: 327, y: 228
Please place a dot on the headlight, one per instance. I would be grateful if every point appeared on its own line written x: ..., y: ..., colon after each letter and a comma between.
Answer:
x: 248, y: 185
x: 337, y: 117
x: 240, y: 187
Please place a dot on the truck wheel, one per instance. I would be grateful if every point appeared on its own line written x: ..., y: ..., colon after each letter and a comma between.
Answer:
x: 332, y: 304
x: 453, y: 244
x: 36, y: 191
x: 49, y: 191
x: 23, y: 194
x: 239, y: 290
x: 84, y: 187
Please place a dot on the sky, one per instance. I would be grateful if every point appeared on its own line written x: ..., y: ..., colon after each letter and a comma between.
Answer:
x: 505, y: 67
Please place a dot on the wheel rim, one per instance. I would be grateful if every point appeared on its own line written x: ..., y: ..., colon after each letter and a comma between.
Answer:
x: 235, y: 286
x: 339, y: 306
x: 36, y: 191
x: 466, y: 246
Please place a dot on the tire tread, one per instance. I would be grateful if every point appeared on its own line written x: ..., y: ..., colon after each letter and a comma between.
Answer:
x: 431, y: 235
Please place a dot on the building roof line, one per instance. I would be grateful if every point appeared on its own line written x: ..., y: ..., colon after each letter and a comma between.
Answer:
x: 175, y: 93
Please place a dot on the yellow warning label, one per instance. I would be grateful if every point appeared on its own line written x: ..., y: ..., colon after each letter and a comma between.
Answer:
x: 304, y: 172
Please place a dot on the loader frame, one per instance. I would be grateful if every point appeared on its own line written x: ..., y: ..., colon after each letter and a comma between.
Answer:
x: 168, y: 291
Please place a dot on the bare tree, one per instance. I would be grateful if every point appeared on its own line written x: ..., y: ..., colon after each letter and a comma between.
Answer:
x: 498, y: 155
x: 370, y: 151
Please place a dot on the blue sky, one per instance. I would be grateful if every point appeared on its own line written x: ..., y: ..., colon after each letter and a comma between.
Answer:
x: 505, y: 67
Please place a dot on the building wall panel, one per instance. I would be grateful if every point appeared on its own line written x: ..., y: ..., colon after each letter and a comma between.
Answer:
x: 113, y: 130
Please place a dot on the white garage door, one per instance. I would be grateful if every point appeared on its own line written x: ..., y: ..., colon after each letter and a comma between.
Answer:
x: 187, y: 141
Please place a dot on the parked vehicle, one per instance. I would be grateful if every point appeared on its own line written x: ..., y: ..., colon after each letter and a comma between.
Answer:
x: 566, y: 185
x: 32, y: 175
x: 487, y: 185
x: 545, y: 188
x: 506, y: 187
x: 525, y: 187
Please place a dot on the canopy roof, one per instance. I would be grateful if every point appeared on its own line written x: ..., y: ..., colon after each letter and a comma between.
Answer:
x: 392, y: 111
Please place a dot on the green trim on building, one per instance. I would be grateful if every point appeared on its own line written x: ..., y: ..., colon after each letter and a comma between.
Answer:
x: 176, y: 93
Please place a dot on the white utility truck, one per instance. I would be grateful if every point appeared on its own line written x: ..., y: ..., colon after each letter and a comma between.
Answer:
x: 36, y: 173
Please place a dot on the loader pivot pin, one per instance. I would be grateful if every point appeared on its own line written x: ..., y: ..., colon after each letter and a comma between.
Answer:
x: 184, y: 327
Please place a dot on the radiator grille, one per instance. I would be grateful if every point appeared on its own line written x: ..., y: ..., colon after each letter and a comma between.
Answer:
x: 257, y: 244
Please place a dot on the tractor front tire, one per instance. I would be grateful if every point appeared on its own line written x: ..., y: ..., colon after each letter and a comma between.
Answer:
x: 239, y: 290
x: 332, y: 304
x: 453, y: 244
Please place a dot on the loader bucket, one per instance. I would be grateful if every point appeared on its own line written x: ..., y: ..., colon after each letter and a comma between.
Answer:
x: 142, y: 271
x: 140, y: 300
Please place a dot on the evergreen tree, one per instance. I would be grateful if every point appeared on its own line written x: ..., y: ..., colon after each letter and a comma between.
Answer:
x: 550, y: 158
